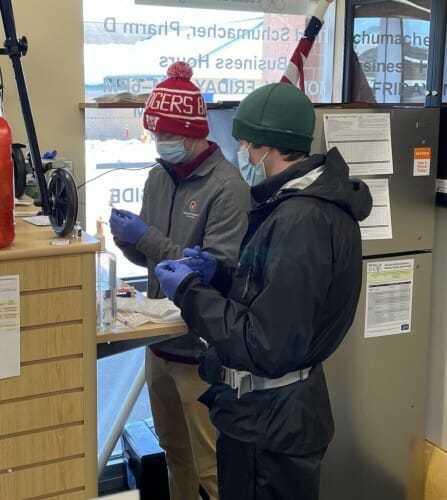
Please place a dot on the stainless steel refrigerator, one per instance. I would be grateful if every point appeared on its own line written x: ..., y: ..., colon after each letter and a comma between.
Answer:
x: 377, y: 383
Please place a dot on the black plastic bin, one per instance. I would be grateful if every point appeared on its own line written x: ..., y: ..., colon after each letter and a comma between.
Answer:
x: 144, y: 461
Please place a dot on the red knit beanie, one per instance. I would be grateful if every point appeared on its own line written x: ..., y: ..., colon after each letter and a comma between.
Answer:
x: 176, y: 105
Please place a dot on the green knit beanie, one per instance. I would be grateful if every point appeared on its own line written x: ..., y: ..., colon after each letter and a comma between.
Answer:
x: 278, y: 115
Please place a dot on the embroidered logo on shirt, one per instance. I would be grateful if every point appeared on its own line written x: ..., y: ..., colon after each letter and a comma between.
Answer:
x: 191, y: 212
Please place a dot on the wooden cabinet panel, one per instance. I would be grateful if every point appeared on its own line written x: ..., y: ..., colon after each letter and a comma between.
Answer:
x: 50, y: 342
x: 43, y: 378
x: 41, y: 412
x: 45, y: 273
x: 42, y: 446
x: 64, y: 271
x: 435, y: 472
x: 51, y: 307
x: 48, y: 413
x: 42, y: 480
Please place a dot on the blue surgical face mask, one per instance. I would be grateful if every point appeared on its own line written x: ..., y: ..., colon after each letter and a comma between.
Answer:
x: 252, y: 174
x: 173, y: 151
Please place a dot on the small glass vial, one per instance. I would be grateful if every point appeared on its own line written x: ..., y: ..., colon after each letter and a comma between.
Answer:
x: 77, y: 231
x: 105, y: 286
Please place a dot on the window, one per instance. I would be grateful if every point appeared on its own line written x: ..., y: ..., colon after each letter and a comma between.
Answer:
x: 128, y: 47
x: 391, y: 51
x: 116, y: 374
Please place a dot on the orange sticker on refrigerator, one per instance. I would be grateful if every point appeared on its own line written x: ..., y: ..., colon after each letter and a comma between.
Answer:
x: 421, y: 164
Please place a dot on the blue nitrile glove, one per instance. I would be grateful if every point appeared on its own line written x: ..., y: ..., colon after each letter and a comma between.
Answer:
x: 126, y: 226
x: 50, y: 155
x: 170, y: 274
x: 202, y: 262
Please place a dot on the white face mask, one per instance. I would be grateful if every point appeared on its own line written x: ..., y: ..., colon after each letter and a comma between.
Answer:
x: 173, y: 151
x: 252, y: 174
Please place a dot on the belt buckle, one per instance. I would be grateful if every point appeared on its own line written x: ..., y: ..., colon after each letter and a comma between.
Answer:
x: 241, y: 380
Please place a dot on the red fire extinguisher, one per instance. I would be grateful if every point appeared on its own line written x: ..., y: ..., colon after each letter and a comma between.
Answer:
x: 7, y: 231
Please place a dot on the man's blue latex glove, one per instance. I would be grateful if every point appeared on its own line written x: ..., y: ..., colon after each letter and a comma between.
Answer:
x: 170, y: 274
x: 202, y: 262
x: 126, y: 226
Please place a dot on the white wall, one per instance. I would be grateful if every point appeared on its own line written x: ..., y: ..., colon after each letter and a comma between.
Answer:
x: 53, y: 71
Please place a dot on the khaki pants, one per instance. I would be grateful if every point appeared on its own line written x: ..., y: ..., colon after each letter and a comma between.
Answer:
x: 183, y: 427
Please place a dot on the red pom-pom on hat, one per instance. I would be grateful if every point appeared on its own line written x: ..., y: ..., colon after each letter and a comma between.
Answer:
x: 180, y: 69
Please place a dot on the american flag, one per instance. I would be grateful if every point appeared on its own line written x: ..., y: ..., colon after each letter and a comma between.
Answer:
x: 294, y: 73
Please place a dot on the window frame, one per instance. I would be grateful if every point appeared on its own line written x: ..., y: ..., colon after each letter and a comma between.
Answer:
x: 436, y: 51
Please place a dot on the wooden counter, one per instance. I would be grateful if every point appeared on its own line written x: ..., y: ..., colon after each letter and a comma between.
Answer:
x: 150, y: 331
x: 146, y: 331
x: 48, y: 413
x: 35, y: 241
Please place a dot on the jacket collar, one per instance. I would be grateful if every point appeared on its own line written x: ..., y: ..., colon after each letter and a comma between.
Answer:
x: 266, y: 189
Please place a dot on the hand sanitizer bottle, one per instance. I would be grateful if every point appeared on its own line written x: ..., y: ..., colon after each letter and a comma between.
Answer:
x: 105, y: 284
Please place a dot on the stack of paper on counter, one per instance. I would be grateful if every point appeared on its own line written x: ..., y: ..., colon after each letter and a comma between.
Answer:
x: 155, y: 310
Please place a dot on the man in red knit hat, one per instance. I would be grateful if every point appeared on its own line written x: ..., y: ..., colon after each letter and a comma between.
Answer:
x: 194, y: 196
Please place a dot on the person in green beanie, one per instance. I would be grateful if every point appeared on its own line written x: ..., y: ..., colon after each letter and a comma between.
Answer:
x: 270, y: 322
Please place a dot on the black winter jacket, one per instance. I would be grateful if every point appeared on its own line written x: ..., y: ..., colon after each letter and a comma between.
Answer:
x: 287, y: 306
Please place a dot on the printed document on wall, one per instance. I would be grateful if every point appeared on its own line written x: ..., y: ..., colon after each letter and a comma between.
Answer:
x: 389, y: 295
x: 363, y: 139
x: 9, y: 326
x: 377, y: 226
